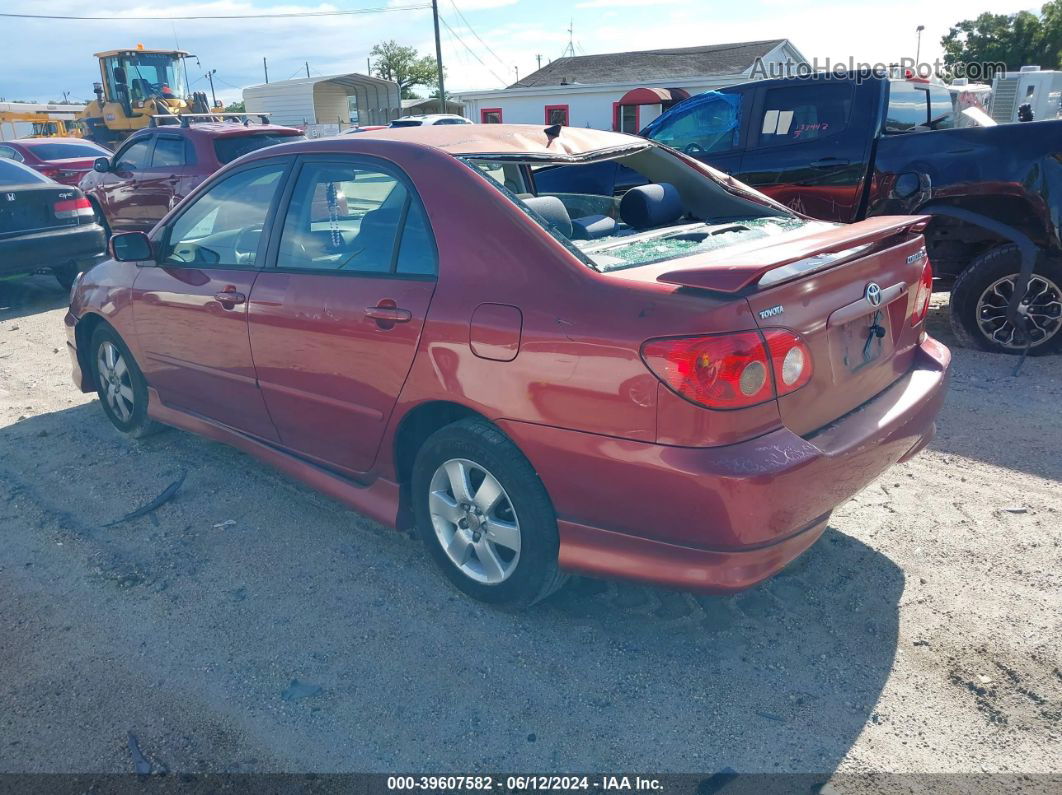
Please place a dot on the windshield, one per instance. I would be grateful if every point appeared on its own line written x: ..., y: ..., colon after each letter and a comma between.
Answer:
x: 64, y: 151
x: 229, y: 148
x: 17, y: 174
x: 644, y: 207
x: 143, y: 75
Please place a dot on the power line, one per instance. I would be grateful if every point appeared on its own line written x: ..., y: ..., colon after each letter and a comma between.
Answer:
x: 473, y: 32
x: 286, y: 15
x: 472, y: 52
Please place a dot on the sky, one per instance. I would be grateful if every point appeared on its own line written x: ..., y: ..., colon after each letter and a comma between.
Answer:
x: 485, y: 43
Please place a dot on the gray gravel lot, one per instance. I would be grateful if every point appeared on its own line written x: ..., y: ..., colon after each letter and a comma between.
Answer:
x: 254, y: 625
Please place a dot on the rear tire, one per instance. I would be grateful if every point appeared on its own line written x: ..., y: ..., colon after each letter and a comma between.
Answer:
x: 979, y: 296
x: 485, y: 516
x: 120, y: 385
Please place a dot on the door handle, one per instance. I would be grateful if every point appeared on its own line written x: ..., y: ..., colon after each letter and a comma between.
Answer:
x: 229, y: 298
x: 828, y: 162
x: 386, y: 313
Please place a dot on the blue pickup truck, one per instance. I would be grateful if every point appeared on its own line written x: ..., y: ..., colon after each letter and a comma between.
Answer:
x: 846, y: 148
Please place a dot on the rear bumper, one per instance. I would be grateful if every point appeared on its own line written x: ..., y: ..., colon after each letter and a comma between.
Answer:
x: 724, y: 518
x: 81, y: 245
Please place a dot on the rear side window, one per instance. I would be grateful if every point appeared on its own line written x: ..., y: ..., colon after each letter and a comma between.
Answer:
x: 804, y: 113
x: 229, y: 148
x: 908, y: 107
x: 169, y: 152
x: 406, y: 123
x: 12, y: 173
x: 355, y: 218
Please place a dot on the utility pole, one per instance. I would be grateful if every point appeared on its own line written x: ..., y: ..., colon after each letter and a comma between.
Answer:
x: 368, y: 66
x: 517, y: 70
x: 213, y: 96
x: 265, y: 67
x: 307, y: 68
x: 918, y: 46
x: 538, y: 58
x: 438, y: 56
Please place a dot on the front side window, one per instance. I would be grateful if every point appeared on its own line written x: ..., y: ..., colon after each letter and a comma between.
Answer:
x: 709, y: 126
x: 7, y: 153
x: 223, y: 226
x: 804, y: 113
x: 354, y: 218
x: 135, y: 157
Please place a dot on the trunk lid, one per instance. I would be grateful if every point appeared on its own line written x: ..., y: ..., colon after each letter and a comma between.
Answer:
x: 25, y: 209
x: 820, y: 286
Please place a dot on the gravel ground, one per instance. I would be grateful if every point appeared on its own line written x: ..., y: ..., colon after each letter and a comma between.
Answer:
x: 254, y: 625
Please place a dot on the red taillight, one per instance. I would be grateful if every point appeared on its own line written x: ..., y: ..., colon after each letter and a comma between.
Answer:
x: 48, y: 171
x: 791, y: 359
x: 73, y: 208
x: 922, y: 295
x: 729, y: 371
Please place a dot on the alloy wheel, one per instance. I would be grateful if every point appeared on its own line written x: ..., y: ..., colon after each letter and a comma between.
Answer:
x: 474, y: 521
x: 115, y: 380
x: 1042, y: 307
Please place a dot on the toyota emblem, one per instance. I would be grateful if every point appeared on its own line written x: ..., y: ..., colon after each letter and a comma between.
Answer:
x: 873, y: 294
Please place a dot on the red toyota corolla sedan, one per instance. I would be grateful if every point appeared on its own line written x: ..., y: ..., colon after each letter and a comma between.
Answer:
x: 677, y: 384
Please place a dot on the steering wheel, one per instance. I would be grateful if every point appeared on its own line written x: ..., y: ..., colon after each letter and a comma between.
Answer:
x: 246, y: 246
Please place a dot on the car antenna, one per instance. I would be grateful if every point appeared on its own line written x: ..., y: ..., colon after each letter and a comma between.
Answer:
x: 553, y: 131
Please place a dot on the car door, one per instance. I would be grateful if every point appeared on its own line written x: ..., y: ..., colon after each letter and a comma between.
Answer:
x: 190, y: 311
x: 809, y: 146
x: 160, y: 185
x: 118, y: 189
x: 334, y: 325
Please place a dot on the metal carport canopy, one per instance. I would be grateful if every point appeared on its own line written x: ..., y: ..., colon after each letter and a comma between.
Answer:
x: 315, y: 100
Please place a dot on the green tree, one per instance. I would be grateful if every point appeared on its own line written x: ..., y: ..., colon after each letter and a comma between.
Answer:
x: 1016, y: 39
x: 405, y: 66
x: 236, y: 107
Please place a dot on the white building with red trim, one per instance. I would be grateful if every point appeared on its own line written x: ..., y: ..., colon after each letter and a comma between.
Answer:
x: 625, y: 91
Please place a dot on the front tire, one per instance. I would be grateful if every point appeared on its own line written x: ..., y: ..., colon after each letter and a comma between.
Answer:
x: 484, y: 515
x: 120, y: 385
x: 979, y: 301
x: 66, y: 275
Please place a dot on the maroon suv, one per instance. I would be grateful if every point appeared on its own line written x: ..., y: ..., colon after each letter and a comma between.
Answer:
x: 678, y: 384
x: 157, y: 167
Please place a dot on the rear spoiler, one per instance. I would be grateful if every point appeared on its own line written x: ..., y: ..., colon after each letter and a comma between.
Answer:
x: 797, y: 257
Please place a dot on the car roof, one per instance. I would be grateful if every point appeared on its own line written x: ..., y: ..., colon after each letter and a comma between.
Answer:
x: 504, y: 139
x: 426, y: 116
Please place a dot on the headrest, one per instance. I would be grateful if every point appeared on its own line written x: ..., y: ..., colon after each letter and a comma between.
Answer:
x: 651, y: 205
x: 591, y: 227
x: 553, y: 210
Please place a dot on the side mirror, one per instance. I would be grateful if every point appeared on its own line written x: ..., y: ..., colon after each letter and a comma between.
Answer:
x: 131, y: 247
x: 102, y: 165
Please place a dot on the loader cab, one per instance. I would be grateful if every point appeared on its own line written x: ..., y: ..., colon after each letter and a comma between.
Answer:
x: 132, y: 78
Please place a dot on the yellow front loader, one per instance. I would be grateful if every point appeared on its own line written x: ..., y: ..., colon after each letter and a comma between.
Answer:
x: 136, y: 85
